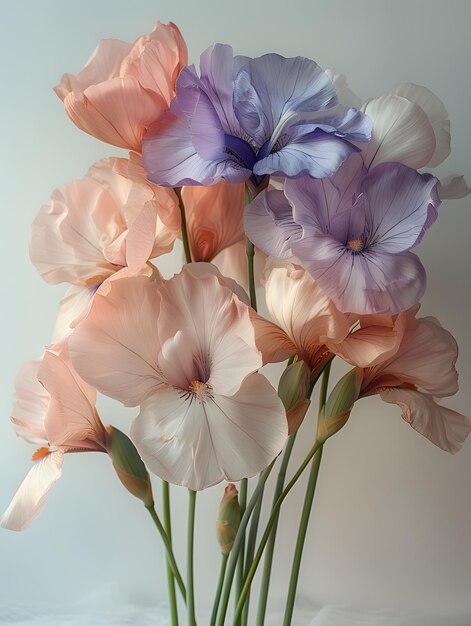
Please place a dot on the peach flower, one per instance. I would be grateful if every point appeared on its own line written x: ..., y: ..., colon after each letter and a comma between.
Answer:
x: 59, y: 416
x: 185, y: 352
x: 125, y: 87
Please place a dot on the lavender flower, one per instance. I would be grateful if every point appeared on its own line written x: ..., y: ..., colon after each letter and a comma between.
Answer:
x: 244, y: 117
x: 353, y: 232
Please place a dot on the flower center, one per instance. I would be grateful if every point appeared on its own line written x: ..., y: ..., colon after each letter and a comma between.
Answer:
x: 355, y: 245
x: 40, y: 453
x: 201, y: 390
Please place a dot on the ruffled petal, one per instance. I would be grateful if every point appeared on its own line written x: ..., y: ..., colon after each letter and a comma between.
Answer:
x: 402, y: 132
x: 31, y: 495
x: 444, y: 427
x: 200, y: 443
x: 272, y: 341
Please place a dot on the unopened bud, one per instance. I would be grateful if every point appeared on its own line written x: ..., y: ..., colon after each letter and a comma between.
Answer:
x: 129, y: 466
x: 228, y: 520
x: 338, y: 407
x: 294, y: 384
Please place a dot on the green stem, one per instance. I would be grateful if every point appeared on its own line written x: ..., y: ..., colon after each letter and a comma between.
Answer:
x: 306, y: 512
x: 231, y: 566
x: 172, y: 598
x: 251, y: 548
x: 186, y: 243
x: 190, y: 557
x: 169, y: 550
x: 217, y: 598
x: 270, y: 524
x: 298, y: 553
x: 250, y: 266
x: 244, y: 483
x: 267, y: 565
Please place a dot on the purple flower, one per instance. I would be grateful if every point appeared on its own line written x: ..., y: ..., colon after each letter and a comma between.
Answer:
x: 244, y: 117
x: 352, y: 232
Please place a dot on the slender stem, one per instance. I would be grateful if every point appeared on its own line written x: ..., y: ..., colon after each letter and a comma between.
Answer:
x: 306, y: 511
x: 267, y: 566
x: 190, y: 557
x: 231, y: 566
x: 250, y: 266
x: 172, y: 598
x: 298, y: 553
x: 251, y: 549
x: 217, y: 598
x: 270, y: 524
x: 244, y: 483
x: 168, y: 548
x: 186, y: 243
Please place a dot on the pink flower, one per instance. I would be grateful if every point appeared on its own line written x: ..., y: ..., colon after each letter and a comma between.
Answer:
x: 125, y: 87
x: 307, y: 323
x: 59, y: 416
x: 94, y: 228
x: 185, y: 352
x: 421, y: 371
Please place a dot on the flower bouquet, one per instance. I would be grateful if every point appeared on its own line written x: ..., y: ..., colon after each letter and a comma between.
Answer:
x: 275, y: 177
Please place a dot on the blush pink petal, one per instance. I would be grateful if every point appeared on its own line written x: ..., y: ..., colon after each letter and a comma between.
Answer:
x: 31, y: 495
x: 426, y: 359
x: 72, y: 420
x: 115, y: 348
x: 198, y: 445
x: 453, y: 187
x: 446, y: 428
x: 30, y: 405
x: 272, y: 341
x: 125, y: 87
x: 214, y: 218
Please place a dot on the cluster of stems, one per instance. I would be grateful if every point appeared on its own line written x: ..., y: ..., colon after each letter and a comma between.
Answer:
x: 241, y: 565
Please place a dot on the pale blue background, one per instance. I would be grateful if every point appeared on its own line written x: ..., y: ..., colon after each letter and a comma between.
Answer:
x: 393, y: 514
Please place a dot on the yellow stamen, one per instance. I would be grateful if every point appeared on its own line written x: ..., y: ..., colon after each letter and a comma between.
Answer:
x: 200, y: 389
x: 356, y: 245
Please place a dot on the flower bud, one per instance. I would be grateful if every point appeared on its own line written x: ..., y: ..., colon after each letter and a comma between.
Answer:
x: 294, y: 384
x: 338, y: 407
x: 129, y: 466
x: 228, y: 520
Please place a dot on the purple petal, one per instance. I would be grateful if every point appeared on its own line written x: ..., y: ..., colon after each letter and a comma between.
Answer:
x: 317, y: 154
x: 400, y: 205
x: 271, y: 87
x: 269, y: 224
x: 363, y: 283
x: 171, y: 159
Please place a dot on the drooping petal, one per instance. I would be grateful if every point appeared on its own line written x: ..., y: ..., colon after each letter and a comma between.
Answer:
x: 402, y: 132
x: 437, y: 114
x: 30, y: 405
x: 272, y: 341
x: 318, y: 154
x: 365, y: 282
x: 72, y: 420
x: 31, y: 495
x: 400, y: 205
x: 446, y: 428
x: 200, y: 443
x: 426, y: 358
x: 115, y: 348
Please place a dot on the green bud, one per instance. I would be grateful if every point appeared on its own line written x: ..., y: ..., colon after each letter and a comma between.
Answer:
x: 228, y: 519
x: 129, y: 466
x: 294, y: 384
x: 339, y: 404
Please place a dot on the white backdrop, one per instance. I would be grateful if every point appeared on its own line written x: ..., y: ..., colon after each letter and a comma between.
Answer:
x: 392, y: 516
